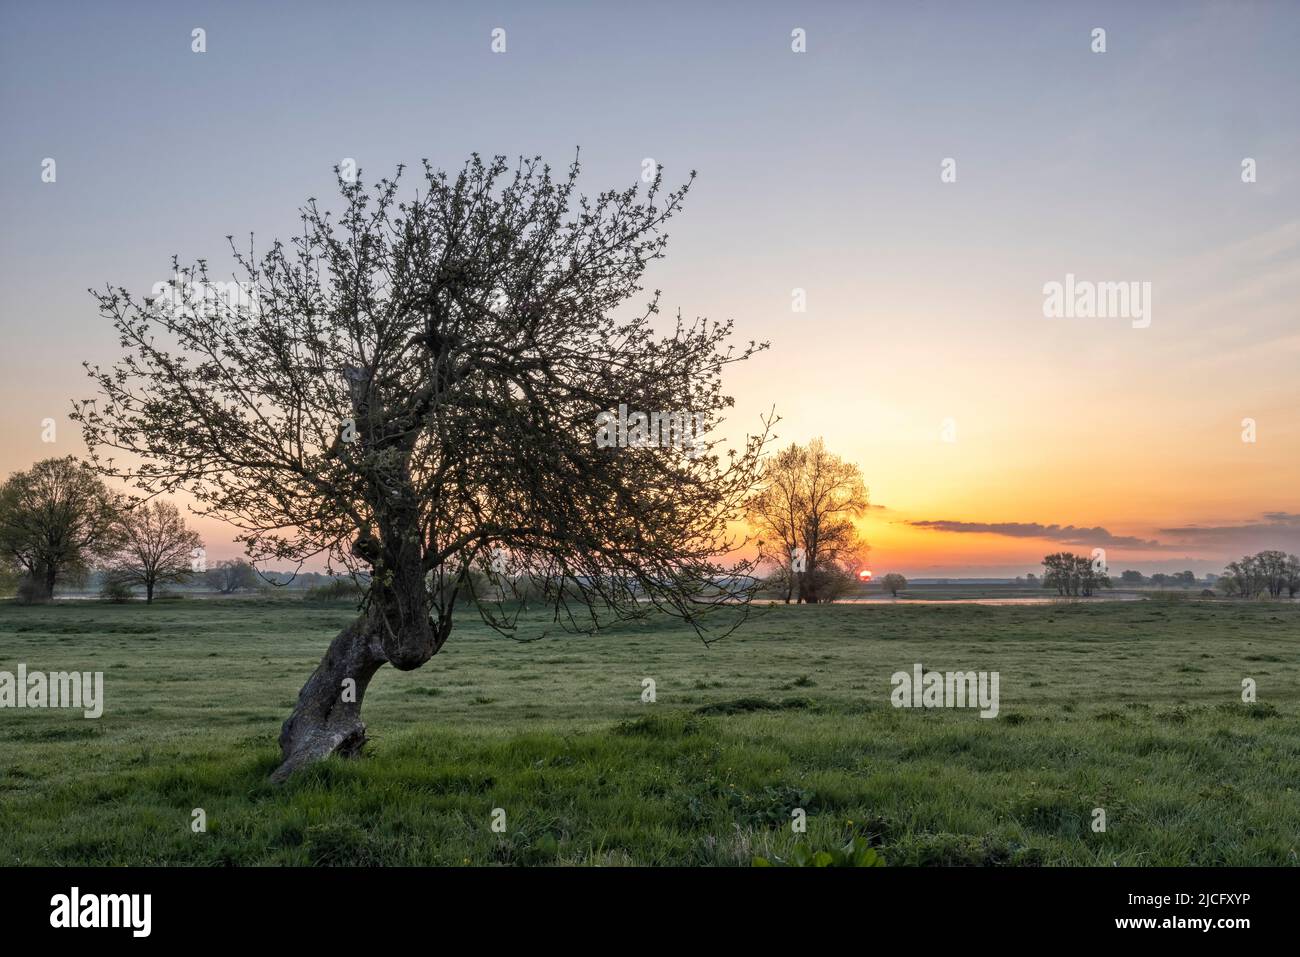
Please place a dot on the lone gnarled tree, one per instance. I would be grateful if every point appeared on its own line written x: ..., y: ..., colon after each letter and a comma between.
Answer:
x: 409, y: 390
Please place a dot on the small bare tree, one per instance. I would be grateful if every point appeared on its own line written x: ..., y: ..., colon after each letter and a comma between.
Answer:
x: 776, y: 511
x: 156, y: 548
x: 410, y: 390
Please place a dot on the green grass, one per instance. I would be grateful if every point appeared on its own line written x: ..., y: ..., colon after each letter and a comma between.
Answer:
x: 1132, y: 707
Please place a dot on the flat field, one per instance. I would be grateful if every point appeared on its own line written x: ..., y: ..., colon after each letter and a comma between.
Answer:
x: 1132, y: 707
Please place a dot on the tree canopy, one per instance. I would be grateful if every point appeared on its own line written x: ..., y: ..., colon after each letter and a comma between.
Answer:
x: 410, y: 390
x: 155, y: 547
x: 805, y: 510
x: 56, y: 518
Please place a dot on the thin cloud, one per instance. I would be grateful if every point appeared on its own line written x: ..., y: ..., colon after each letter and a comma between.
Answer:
x: 1063, y: 534
x: 1277, y: 530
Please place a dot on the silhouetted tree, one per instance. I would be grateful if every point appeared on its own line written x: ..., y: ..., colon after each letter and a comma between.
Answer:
x: 1273, y: 569
x: 1291, y: 575
x: 56, y: 518
x: 1268, y: 572
x: 893, y: 583
x: 156, y: 548
x: 805, y: 511
x: 411, y: 390
x: 1073, y: 575
x: 231, y: 576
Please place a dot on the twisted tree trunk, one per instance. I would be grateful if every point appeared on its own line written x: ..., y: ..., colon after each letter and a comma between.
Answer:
x: 327, y: 718
x: 396, y: 629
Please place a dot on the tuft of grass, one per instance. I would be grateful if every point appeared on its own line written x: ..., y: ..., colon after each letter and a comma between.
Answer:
x: 749, y: 704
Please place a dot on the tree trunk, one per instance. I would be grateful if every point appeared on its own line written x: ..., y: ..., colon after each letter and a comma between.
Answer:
x: 396, y: 629
x: 148, y: 593
x: 808, y: 586
x: 327, y: 718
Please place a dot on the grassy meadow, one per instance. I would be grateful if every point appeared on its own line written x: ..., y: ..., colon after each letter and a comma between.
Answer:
x: 1134, y: 707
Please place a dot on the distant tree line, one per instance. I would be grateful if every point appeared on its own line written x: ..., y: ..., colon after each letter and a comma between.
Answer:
x: 1184, y: 579
x: 59, y: 521
x: 61, y: 526
x: 1270, y: 573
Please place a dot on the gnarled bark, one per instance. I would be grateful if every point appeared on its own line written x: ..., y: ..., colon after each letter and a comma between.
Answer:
x: 396, y: 629
x: 400, y: 604
x: 327, y: 718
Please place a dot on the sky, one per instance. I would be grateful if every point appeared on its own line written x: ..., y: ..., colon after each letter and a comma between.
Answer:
x: 988, y: 433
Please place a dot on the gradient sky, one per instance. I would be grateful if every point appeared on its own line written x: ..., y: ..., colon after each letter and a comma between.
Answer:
x: 817, y: 171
